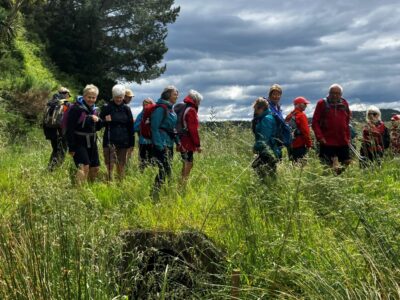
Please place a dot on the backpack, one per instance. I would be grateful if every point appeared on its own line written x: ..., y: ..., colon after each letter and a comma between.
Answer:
x: 64, y: 122
x: 181, y: 109
x: 145, y: 126
x: 284, y: 132
x: 295, y: 131
x: 54, y: 113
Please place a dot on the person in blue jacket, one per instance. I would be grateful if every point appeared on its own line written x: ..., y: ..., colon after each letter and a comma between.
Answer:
x: 163, y: 135
x: 145, y: 145
x: 266, y: 147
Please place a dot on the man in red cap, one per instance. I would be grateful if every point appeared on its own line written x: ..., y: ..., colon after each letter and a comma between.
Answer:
x: 297, y: 120
x: 331, y: 125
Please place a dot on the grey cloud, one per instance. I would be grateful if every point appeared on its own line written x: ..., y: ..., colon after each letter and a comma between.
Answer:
x: 240, y: 48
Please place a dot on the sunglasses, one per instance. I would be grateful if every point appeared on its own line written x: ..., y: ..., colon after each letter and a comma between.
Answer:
x: 373, y: 114
x: 64, y: 93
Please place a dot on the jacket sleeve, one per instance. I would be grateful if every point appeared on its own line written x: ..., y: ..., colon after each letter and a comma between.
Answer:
x: 156, y: 119
x: 136, y: 125
x: 192, y: 122
x: 130, y: 127
x: 317, y: 119
x: 302, y: 125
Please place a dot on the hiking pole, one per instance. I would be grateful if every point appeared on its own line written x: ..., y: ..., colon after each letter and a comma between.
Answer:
x: 109, y: 152
x: 358, y: 155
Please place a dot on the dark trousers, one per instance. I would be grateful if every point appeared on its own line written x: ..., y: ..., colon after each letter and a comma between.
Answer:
x: 164, y: 161
x: 145, y: 155
x: 265, y: 165
x: 59, y: 147
x: 296, y: 154
x: 370, y: 156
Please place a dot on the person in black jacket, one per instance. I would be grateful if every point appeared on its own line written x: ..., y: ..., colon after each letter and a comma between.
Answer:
x: 82, y: 124
x: 119, y: 134
x: 54, y: 134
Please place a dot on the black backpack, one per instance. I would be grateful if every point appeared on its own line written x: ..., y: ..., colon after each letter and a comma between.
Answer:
x: 54, y: 113
x: 181, y: 110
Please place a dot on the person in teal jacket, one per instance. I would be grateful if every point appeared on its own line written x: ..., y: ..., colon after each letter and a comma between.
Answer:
x: 266, y: 147
x: 163, y: 135
x: 145, y: 145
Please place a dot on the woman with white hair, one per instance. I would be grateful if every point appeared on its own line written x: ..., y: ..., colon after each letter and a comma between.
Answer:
x: 188, y: 130
x: 81, y: 127
x: 119, y: 134
x: 374, y: 135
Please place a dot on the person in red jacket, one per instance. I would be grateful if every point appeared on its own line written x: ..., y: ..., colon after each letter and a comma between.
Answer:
x: 298, y: 121
x: 395, y: 134
x: 330, y: 123
x: 373, y: 145
x: 189, y: 135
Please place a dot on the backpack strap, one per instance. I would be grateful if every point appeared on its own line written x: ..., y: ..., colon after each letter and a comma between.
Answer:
x: 187, y: 108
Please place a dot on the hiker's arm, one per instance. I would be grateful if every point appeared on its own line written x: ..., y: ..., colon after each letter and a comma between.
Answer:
x: 130, y: 128
x: 192, y: 127
x: 302, y: 125
x: 316, y: 122
x: 156, y: 119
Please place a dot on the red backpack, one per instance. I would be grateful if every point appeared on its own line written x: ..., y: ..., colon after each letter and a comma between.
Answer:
x: 145, y: 126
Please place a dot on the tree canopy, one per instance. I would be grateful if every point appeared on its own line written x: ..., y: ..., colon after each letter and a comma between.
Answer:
x: 102, y: 41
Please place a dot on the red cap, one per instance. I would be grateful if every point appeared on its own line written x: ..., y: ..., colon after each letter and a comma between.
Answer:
x: 395, y: 118
x: 299, y: 100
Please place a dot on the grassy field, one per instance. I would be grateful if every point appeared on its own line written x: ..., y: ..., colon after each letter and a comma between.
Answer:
x: 309, y: 235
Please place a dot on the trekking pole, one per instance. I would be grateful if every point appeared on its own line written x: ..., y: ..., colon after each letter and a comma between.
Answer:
x: 109, y: 152
x: 358, y: 155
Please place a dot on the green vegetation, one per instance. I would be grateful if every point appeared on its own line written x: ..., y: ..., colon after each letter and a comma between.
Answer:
x: 310, y: 235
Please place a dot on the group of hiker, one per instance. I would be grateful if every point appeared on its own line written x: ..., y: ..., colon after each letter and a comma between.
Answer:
x: 332, y: 130
x: 73, y: 127
x: 163, y: 124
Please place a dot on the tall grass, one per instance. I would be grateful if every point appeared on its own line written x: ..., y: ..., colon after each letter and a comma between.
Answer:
x: 308, y: 235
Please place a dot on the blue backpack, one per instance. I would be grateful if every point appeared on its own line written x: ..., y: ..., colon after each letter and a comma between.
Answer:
x: 284, y: 134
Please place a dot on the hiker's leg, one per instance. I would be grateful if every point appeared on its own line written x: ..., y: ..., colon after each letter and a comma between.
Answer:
x: 63, y: 147
x: 344, y: 158
x: 129, y: 154
x: 82, y: 174
x: 121, y: 154
x: 187, y: 158
x: 298, y: 154
x: 162, y: 163
x: 326, y: 155
x: 143, y: 156
x: 53, y: 155
x: 109, y: 160
x: 93, y: 171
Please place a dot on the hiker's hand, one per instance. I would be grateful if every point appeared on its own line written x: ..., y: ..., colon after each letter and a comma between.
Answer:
x: 179, y: 148
x: 95, y: 118
x: 108, y: 118
x: 72, y: 154
x: 322, y: 141
x: 199, y: 149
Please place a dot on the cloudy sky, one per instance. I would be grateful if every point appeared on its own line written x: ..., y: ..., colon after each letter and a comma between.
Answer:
x: 233, y: 50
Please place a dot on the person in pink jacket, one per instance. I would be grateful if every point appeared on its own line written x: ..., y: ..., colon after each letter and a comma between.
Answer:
x: 188, y: 130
